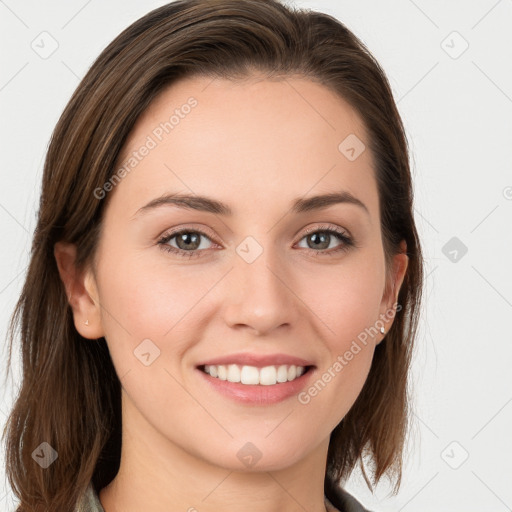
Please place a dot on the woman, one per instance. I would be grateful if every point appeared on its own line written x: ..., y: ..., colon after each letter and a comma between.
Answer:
x: 225, y: 278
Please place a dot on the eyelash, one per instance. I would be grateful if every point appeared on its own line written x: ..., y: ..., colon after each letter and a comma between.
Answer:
x: 341, y: 235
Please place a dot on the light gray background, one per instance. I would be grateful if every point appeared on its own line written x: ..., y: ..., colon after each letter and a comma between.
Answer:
x: 457, y: 109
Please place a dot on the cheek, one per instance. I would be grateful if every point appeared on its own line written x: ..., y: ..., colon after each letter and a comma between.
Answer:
x: 146, y: 309
x: 346, y: 299
x: 145, y: 294
x: 146, y: 298
x: 348, y: 306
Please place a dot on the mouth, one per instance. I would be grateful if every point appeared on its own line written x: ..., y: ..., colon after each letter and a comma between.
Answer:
x: 256, y: 379
x: 255, y: 376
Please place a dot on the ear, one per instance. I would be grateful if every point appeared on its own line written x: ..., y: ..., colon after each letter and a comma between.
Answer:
x: 81, y: 290
x: 394, y: 282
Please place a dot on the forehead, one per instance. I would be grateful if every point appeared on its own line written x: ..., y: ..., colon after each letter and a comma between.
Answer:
x: 245, y: 143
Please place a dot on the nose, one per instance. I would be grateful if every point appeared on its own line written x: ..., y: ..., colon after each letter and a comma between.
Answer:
x: 260, y: 296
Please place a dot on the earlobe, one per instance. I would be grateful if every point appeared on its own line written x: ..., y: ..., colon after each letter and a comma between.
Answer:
x: 81, y: 291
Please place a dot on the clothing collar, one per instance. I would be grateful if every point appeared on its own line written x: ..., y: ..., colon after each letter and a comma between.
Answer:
x: 339, y: 500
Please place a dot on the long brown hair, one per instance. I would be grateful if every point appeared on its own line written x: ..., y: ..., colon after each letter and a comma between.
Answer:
x: 70, y: 393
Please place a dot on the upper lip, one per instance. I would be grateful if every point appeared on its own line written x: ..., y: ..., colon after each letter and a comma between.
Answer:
x: 259, y: 361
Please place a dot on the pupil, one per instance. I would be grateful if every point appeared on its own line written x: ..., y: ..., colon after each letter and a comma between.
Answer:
x: 317, y: 239
x: 186, y: 238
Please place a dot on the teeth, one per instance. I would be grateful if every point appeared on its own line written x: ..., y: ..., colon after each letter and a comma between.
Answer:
x: 251, y: 375
x: 233, y: 373
x: 268, y: 376
x: 222, y: 373
x: 282, y: 373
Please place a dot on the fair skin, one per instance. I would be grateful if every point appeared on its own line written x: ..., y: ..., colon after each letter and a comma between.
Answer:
x: 256, y: 146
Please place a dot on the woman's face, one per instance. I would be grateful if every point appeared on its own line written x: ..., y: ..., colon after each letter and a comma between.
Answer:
x: 257, y: 278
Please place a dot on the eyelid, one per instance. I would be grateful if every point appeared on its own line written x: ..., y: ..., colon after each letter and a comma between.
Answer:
x: 203, y: 230
x: 344, y: 236
x: 207, y: 232
x: 326, y: 227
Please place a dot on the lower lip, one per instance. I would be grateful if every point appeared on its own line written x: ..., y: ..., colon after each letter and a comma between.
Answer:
x: 258, y: 394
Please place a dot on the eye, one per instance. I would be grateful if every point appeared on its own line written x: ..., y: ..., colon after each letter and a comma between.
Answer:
x: 321, y: 238
x: 188, y: 242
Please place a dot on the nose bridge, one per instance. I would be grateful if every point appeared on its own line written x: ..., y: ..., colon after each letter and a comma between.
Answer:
x: 260, y: 296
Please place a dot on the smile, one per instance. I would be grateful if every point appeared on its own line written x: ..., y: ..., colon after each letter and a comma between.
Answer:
x: 252, y: 375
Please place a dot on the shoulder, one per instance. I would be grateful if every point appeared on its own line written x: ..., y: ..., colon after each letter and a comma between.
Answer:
x: 89, y: 502
x: 341, y: 500
x: 337, y: 498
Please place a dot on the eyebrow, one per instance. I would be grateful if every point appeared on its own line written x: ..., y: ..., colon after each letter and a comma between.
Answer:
x: 209, y: 205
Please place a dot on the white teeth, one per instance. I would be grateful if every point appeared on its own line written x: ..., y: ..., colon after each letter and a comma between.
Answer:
x: 268, y: 376
x: 251, y: 375
x: 233, y: 373
x: 282, y: 373
x: 222, y: 372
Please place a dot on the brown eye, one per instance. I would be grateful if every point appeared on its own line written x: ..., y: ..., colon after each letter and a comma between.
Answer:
x: 188, y: 240
x: 319, y: 240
